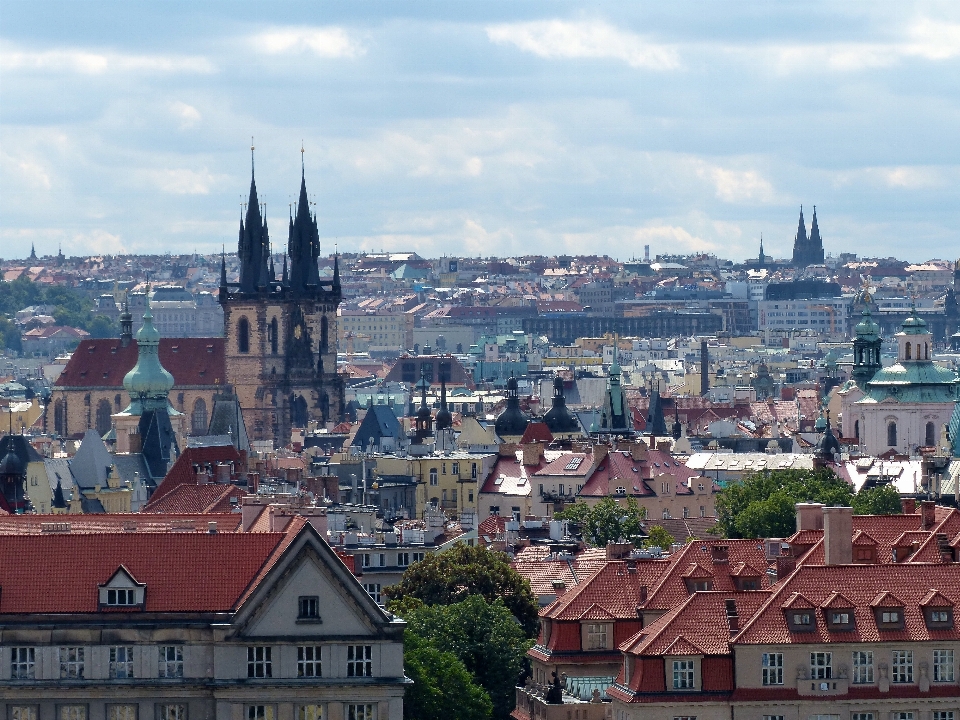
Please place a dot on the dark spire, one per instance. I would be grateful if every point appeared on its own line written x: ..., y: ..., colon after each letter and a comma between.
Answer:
x: 300, y: 245
x: 286, y: 278
x: 763, y: 258
x: 126, y: 324
x: 33, y: 253
x: 254, y: 243
x: 816, y: 242
x: 656, y: 422
x: 677, y: 426
x: 223, y: 270
x: 336, y: 272
x: 444, y: 418
x: 58, y: 500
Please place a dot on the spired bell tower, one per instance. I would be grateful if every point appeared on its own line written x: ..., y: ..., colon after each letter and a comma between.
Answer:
x: 280, y: 335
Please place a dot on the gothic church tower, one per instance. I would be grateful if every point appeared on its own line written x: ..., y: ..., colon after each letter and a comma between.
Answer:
x: 280, y: 335
x: 808, y: 251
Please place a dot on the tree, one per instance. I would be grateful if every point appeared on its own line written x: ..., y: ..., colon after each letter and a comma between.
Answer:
x: 607, y: 521
x: 453, y: 575
x: 762, y: 504
x: 658, y: 537
x: 442, y: 685
x: 102, y: 327
x: 882, y: 500
x: 483, y: 635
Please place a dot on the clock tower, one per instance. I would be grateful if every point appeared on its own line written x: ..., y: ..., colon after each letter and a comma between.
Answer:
x: 280, y: 334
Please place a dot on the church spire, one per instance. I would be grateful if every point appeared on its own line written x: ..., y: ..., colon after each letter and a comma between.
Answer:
x: 336, y: 272
x: 254, y: 243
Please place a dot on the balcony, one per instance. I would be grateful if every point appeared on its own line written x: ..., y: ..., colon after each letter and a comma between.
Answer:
x: 822, y: 688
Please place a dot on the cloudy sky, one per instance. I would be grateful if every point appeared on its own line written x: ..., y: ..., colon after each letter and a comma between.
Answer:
x: 483, y: 127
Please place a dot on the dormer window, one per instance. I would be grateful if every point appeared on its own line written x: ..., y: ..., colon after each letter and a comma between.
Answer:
x: 838, y: 612
x: 937, y: 611
x: 308, y: 607
x: 800, y: 614
x: 122, y: 591
x: 801, y: 618
x: 888, y: 611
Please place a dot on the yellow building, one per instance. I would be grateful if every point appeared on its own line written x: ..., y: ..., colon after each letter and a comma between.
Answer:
x: 449, y: 481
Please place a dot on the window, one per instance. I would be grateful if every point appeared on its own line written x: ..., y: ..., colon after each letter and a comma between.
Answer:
x: 684, y: 717
x: 359, y: 660
x: 473, y: 471
x: 944, y: 715
x: 892, y: 434
x: 308, y: 661
x: 259, y: 661
x: 901, y: 715
x: 773, y: 717
x: 71, y: 663
x: 931, y: 439
x: 198, y: 418
x: 243, y: 335
x: 121, y: 596
x: 938, y: 617
x: 596, y: 636
x: 171, y: 661
x: 309, y: 712
x: 172, y: 712
x: 121, y: 712
x: 23, y: 663
x: 308, y: 607
x: 862, y: 667
x: 417, y: 556
x: 23, y: 712
x: 861, y: 716
x: 121, y: 662
x: 373, y: 590
x: 366, y: 711
x: 943, y: 666
x: 433, y: 476
x: 683, y: 675
x: 902, y: 670
x: 260, y: 712
x: 840, y: 618
x: 772, y: 673
x: 455, y: 468
x: 403, y: 559
x: 821, y: 666
x: 890, y: 618
x: 72, y: 712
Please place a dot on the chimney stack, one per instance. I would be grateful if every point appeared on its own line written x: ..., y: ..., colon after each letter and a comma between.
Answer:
x: 809, y: 516
x: 908, y: 505
x: 559, y: 588
x: 928, y: 514
x: 837, y: 535
x: 532, y: 453
x: 704, y: 368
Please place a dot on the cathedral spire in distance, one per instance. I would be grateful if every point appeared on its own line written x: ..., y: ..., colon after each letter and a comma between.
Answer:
x: 253, y: 238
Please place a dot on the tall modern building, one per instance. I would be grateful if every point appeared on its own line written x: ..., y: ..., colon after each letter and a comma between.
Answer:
x: 280, y: 333
x: 807, y: 250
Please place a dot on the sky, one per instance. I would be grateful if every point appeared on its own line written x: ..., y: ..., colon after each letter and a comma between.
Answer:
x: 483, y: 128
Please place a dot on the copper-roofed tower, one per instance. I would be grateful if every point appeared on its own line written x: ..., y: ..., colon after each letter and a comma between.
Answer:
x: 281, y: 334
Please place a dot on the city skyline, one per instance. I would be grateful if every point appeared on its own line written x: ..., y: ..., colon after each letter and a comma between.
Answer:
x: 488, y: 129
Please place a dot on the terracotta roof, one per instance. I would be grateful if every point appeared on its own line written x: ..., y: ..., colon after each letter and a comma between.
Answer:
x: 866, y: 586
x: 115, y: 522
x: 184, y: 572
x: 536, y: 432
x: 104, y: 362
x: 613, y: 587
x: 509, y: 476
x: 541, y: 568
x: 698, y: 626
x: 209, y: 498
x: 619, y: 469
x: 182, y: 472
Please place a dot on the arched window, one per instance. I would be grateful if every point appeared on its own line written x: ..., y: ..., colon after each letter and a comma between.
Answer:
x: 60, y: 417
x: 298, y: 412
x: 273, y: 336
x: 892, y: 434
x: 243, y: 335
x: 926, y: 351
x: 323, y: 334
x: 856, y: 430
x: 198, y: 418
x: 116, y: 401
x: 103, y: 417
x: 907, y: 355
x: 931, y: 439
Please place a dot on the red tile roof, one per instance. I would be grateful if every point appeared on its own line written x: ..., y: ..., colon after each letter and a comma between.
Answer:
x: 182, y: 472
x: 537, y: 432
x: 865, y: 586
x: 541, y: 568
x: 184, y: 572
x: 115, y: 522
x: 613, y: 587
x: 210, y: 498
x: 104, y: 362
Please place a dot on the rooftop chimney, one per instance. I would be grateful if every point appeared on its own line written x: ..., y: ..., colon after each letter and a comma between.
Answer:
x: 559, y: 588
x: 532, y: 453
x: 837, y: 535
x: 212, y: 527
x: 618, y: 551
x: 809, y: 516
x: 908, y: 505
x: 928, y: 514
x: 719, y: 553
x: 733, y: 618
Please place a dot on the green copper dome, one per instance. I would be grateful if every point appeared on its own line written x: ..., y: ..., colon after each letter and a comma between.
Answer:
x: 867, y: 329
x: 914, y: 325
x: 148, y: 382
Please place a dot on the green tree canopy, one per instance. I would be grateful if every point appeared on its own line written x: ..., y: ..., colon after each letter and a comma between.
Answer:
x: 657, y: 536
x: 882, y: 500
x: 607, y: 521
x: 453, y: 575
x: 442, y: 685
x: 483, y: 635
x: 762, y: 504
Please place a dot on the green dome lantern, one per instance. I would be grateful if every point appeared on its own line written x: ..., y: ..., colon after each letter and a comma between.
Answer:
x: 148, y: 383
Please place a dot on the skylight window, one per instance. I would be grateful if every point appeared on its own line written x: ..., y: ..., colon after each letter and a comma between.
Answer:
x: 574, y: 463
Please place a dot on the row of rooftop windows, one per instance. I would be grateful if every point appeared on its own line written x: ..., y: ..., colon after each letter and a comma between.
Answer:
x: 179, y: 711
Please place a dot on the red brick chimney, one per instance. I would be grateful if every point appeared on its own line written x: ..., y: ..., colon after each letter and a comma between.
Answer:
x: 928, y: 514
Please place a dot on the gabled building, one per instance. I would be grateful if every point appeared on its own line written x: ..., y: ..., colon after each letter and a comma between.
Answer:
x: 157, y: 625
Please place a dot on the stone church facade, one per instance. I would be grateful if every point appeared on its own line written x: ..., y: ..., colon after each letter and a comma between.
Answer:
x: 280, y: 334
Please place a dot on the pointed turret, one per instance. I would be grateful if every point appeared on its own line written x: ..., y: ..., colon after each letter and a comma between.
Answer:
x: 254, y: 244
x: 800, y: 242
x: 126, y: 324
x: 444, y: 417
x: 677, y: 425
x: 336, y: 273
x: 301, y: 245
x: 815, y: 244
x: 656, y: 422
x: 286, y: 278
x: 223, y: 271
x: 33, y: 253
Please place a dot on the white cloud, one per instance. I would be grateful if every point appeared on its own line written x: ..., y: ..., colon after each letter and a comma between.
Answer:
x: 904, y: 177
x: 180, y: 181
x: 934, y: 39
x: 87, y: 62
x: 584, y: 39
x: 95, y: 242
x: 187, y: 114
x: 736, y: 186
x: 325, y: 42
